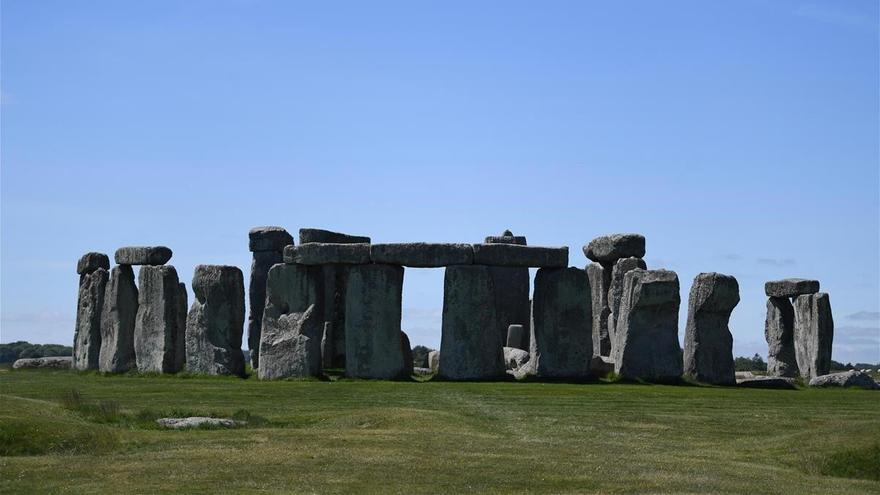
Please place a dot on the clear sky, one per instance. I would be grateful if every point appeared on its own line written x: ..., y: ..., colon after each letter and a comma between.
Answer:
x: 738, y: 137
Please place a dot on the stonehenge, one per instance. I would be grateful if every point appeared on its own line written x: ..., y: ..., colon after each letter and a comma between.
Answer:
x: 516, y: 337
x: 372, y: 323
x: 157, y: 327
x: 93, y: 275
x: 813, y: 334
x: 779, y: 333
x: 267, y: 245
x: 708, y: 344
x: 215, y: 323
x: 117, y: 322
x: 512, y: 294
x: 562, y: 340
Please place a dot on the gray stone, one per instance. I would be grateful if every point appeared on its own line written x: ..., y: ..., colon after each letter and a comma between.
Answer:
x: 142, y: 255
x: 327, y: 346
x: 601, y: 366
x: 471, y: 344
x: 506, y: 237
x: 813, y: 334
x: 744, y: 374
x: 180, y: 337
x: 262, y: 262
x: 434, y: 361
x: 269, y: 238
x: 646, y: 334
x: 708, y: 344
x: 157, y: 324
x: 850, y: 378
x: 91, y: 262
x: 372, y: 322
x: 791, y: 287
x: 615, y: 246
x: 321, y: 253
x: 290, y: 341
x: 516, y: 337
x: 524, y: 256
x: 319, y: 235
x: 774, y: 382
x: 422, y: 254
x: 117, y: 322
x: 53, y: 362
x: 406, y: 349
x: 198, y: 422
x: 511, y: 291
x: 562, y: 324
x: 515, y: 358
x: 600, y: 281
x: 615, y: 290
x: 779, y: 333
x: 215, y: 322
x: 90, y: 305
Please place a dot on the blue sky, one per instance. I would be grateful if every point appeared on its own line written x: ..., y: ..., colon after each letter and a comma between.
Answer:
x: 738, y: 137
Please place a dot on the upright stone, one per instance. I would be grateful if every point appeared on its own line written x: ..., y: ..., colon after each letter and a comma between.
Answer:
x: 406, y: 350
x: 90, y: 305
x: 157, y: 324
x: 117, y: 322
x: 372, y: 322
x: 646, y: 334
x: 215, y: 322
x: 516, y: 337
x: 562, y: 319
x: 90, y: 262
x: 708, y: 344
x: 327, y: 346
x: 434, y: 361
x: 471, y: 345
x: 290, y: 345
x: 180, y: 343
x: 615, y: 290
x: 511, y: 291
x: 813, y: 334
x: 267, y: 245
x: 779, y: 332
x: 600, y: 280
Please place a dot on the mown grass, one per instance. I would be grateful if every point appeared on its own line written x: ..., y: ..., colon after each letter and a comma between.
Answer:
x: 347, y: 436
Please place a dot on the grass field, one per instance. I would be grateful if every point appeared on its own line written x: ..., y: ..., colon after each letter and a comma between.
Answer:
x: 87, y: 433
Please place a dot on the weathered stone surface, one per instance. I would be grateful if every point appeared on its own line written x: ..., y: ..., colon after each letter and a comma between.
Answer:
x: 215, y: 322
x: 791, y: 287
x: 601, y: 366
x: 708, y: 344
x: 434, y: 361
x: 516, y: 337
x: 600, y: 281
x: 157, y: 324
x: 418, y: 371
x: 562, y: 323
x: 91, y: 262
x: 142, y: 255
x: 321, y: 253
x: 515, y: 357
x: 779, y: 333
x: 646, y: 334
x: 615, y: 289
x: 335, y: 282
x: 269, y: 238
x: 198, y: 422
x: 117, y: 322
x: 422, y: 254
x: 290, y: 341
x: 813, y: 334
x: 180, y: 337
x: 327, y: 346
x: 506, y: 237
x: 90, y: 305
x: 776, y: 382
x: 852, y: 378
x: 54, y: 362
x: 262, y: 262
x: 615, y: 246
x: 406, y: 349
x: 319, y: 235
x: 372, y: 322
x: 524, y: 256
x: 511, y: 292
x: 471, y: 345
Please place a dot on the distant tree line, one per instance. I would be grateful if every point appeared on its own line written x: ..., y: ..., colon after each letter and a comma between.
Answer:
x: 754, y: 363
x: 420, y: 356
x: 19, y: 350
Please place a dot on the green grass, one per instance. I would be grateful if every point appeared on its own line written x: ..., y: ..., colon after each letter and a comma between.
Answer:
x: 348, y: 436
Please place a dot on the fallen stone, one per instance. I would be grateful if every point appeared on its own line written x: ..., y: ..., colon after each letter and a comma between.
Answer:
x: 269, y: 238
x: 601, y: 366
x: 198, y: 422
x: 406, y: 349
x: 142, y: 255
x: 91, y: 262
x: 319, y: 235
x: 262, y: 262
x: 744, y: 374
x: 562, y: 324
x: 90, y: 305
x: 117, y: 322
x: 615, y: 290
x: 850, y: 378
x: 776, y: 382
x: 334, y: 280
x: 523, y: 256
x: 318, y: 253
x: 157, y: 324
x: 600, y: 281
x: 613, y: 247
x: 327, y: 346
x: 53, y: 362
x: 434, y: 361
x: 791, y: 287
x: 372, y: 323
x: 514, y: 357
x: 646, y: 334
x: 422, y: 254
x: 813, y: 334
x: 215, y: 322
x: 506, y: 238
x: 708, y: 344
x: 779, y: 333
x: 422, y: 371
x: 515, y: 337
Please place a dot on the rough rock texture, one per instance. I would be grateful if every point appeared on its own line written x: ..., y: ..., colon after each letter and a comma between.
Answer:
x: 562, y: 324
x: 269, y: 238
x: 91, y: 262
x: 511, y: 291
x: 180, y: 342
x: 90, y: 304
x: 434, y: 361
x: 506, y: 237
x: 320, y: 235
x: 327, y: 346
x: 117, y: 322
x: 779, y: 333
x: 516, y: 337
x: 615, y: 290
x: 418, y: 371
x: 262, y: 262
x: 813, y: 334
x: 524, y: 256
x: 157, y: 324
x: 372, y: 322
x: 198, y: 422
x: 471, y: 344
x: 422, y: 254
x: 767, y: 382
x: 406, y: 349
x: 142, y: 255
x: 514, y: 357
x: 290, y: 341
x: 615, y: 246
x: 600, y: 281
x: 54, y: 362
x: 215, y: 322
x: 322, y: 253
x: 708, y: 344
x: 646, y: 335
x: 852, y: 378
x: 791, y: 287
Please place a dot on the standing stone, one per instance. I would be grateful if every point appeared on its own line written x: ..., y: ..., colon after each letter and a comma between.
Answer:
x: 157, y: 324
x: 90, y: 262
x: 563, y: 322
x: 779, y: 332
x: 471, y: 345
x: 600, y: 280
x: 406, y: 349
x: 180, y: 341
x: 516, y: 337
x: 511, y: 291
x: 117, y: 322
x: 813, y: 334
x: 708, y: 344
x: 434, y: 361
x: 215, y: 322
x: 267, y: 245
x: 290, y: 345
x: 372, y: 322
x: 615, y: 289
x: 646, y: 334
x: 90, y: 305
x: 327, y: 346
